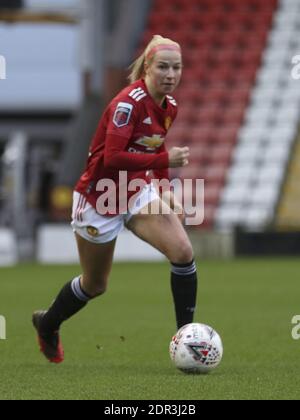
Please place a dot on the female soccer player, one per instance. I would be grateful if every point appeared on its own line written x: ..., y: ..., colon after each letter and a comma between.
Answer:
x: 130, y: 138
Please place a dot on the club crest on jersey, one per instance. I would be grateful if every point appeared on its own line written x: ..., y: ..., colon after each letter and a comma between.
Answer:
x: 151, y: 143
x: 122, y: 114
x: 168, y: 123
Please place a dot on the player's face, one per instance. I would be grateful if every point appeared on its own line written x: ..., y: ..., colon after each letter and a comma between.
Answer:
x: 165, y: 71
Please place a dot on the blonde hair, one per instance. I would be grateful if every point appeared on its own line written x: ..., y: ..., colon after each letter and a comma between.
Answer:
x: 138, y: 66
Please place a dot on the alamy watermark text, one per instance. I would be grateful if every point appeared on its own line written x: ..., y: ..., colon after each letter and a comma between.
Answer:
x: 296, y: 68
x: 2, y: 68
x: 2, y: 328
x: 296, y: 329
x: 121, y: 196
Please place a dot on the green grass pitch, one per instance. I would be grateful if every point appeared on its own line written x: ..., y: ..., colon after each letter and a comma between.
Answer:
x: 117, y: 348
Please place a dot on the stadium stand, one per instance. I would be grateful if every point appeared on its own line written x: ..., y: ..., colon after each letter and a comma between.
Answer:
x: 238, y: 104
x: 223, y: 44
x: 266, y: 139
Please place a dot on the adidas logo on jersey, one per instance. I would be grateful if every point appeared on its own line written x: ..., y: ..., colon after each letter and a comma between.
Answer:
x: 138, y: 94
x: 147, y: 121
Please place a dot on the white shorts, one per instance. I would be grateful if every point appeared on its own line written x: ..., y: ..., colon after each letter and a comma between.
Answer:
x: 98, y: 229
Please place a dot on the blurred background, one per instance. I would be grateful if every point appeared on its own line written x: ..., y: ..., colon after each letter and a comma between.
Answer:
x: 239, y: 111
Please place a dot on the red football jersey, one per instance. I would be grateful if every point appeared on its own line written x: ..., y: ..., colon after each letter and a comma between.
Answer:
x: 130, y: 137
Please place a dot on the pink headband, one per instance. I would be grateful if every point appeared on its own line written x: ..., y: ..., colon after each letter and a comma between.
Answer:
x: 161, y: 47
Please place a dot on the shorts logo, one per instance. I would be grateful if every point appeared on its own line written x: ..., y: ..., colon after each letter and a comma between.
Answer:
x: 123, y: 114
x: 92, y: 231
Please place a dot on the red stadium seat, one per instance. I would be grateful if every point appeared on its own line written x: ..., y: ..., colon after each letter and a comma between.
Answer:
x: 196, y: 57
x: 238, y: 97
x: 190, y: 94
x: 245, y: 76
x: 192, y: 172
x: 201, y: 134
x: 213, y: 98
x: 250, y: 58
x: 221, y: 154
x: 224, y: 73
x: 179, y: 135
x: 193, y: 75
x: 216, y: 174
x: 232, y: 116
x: 185, y: 113
x: 227, y: 134
x: 199, y: 153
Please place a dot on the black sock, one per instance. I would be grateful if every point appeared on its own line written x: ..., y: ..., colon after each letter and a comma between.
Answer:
x: 70, y: 300
x: 184, y: 288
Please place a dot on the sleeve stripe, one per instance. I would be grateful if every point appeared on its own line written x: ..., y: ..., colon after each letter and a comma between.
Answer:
x: 137, y: 94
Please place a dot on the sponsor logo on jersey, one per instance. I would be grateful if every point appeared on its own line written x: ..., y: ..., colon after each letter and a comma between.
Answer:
x: 151, y: 143
x: 122, y: 114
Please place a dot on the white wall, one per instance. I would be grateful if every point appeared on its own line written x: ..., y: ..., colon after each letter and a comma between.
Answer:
x: 56, y: 245
x: 51, y: 4
x: 42, y: 67
x: 8, y: 248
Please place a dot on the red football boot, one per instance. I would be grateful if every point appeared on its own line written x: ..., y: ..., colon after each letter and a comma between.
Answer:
x: 50, y: 344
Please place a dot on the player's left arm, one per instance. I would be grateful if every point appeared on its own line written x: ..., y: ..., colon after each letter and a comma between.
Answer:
x: 166, y: 194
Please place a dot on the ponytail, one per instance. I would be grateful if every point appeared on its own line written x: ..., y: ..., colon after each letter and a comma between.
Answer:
x: 137, y: 68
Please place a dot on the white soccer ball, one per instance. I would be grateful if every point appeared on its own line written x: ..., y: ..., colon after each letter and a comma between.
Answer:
x: 196, y: 348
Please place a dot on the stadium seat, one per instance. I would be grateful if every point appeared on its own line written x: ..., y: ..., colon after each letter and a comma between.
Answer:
x: 199, y: 153
x: 212, y: 194
x: 247, y: 152
x: 257, y: 217
x: 271, y: 172
x: 264, y: 195
x: 236, y: 193
x: 258, y: 116
x: 221, y: 154
x: 228, y: 216
x: 232, y: 116
x: 216, y: 173
x: 202, y: 134
x: 253, y: 134
x: 227, y: 134
x: 277, y: 152
x: 241, y: 172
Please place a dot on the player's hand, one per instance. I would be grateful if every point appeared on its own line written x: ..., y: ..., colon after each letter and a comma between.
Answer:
x: 179, y: 157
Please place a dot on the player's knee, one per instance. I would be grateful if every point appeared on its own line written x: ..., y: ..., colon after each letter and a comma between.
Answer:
x: 182, y: 254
